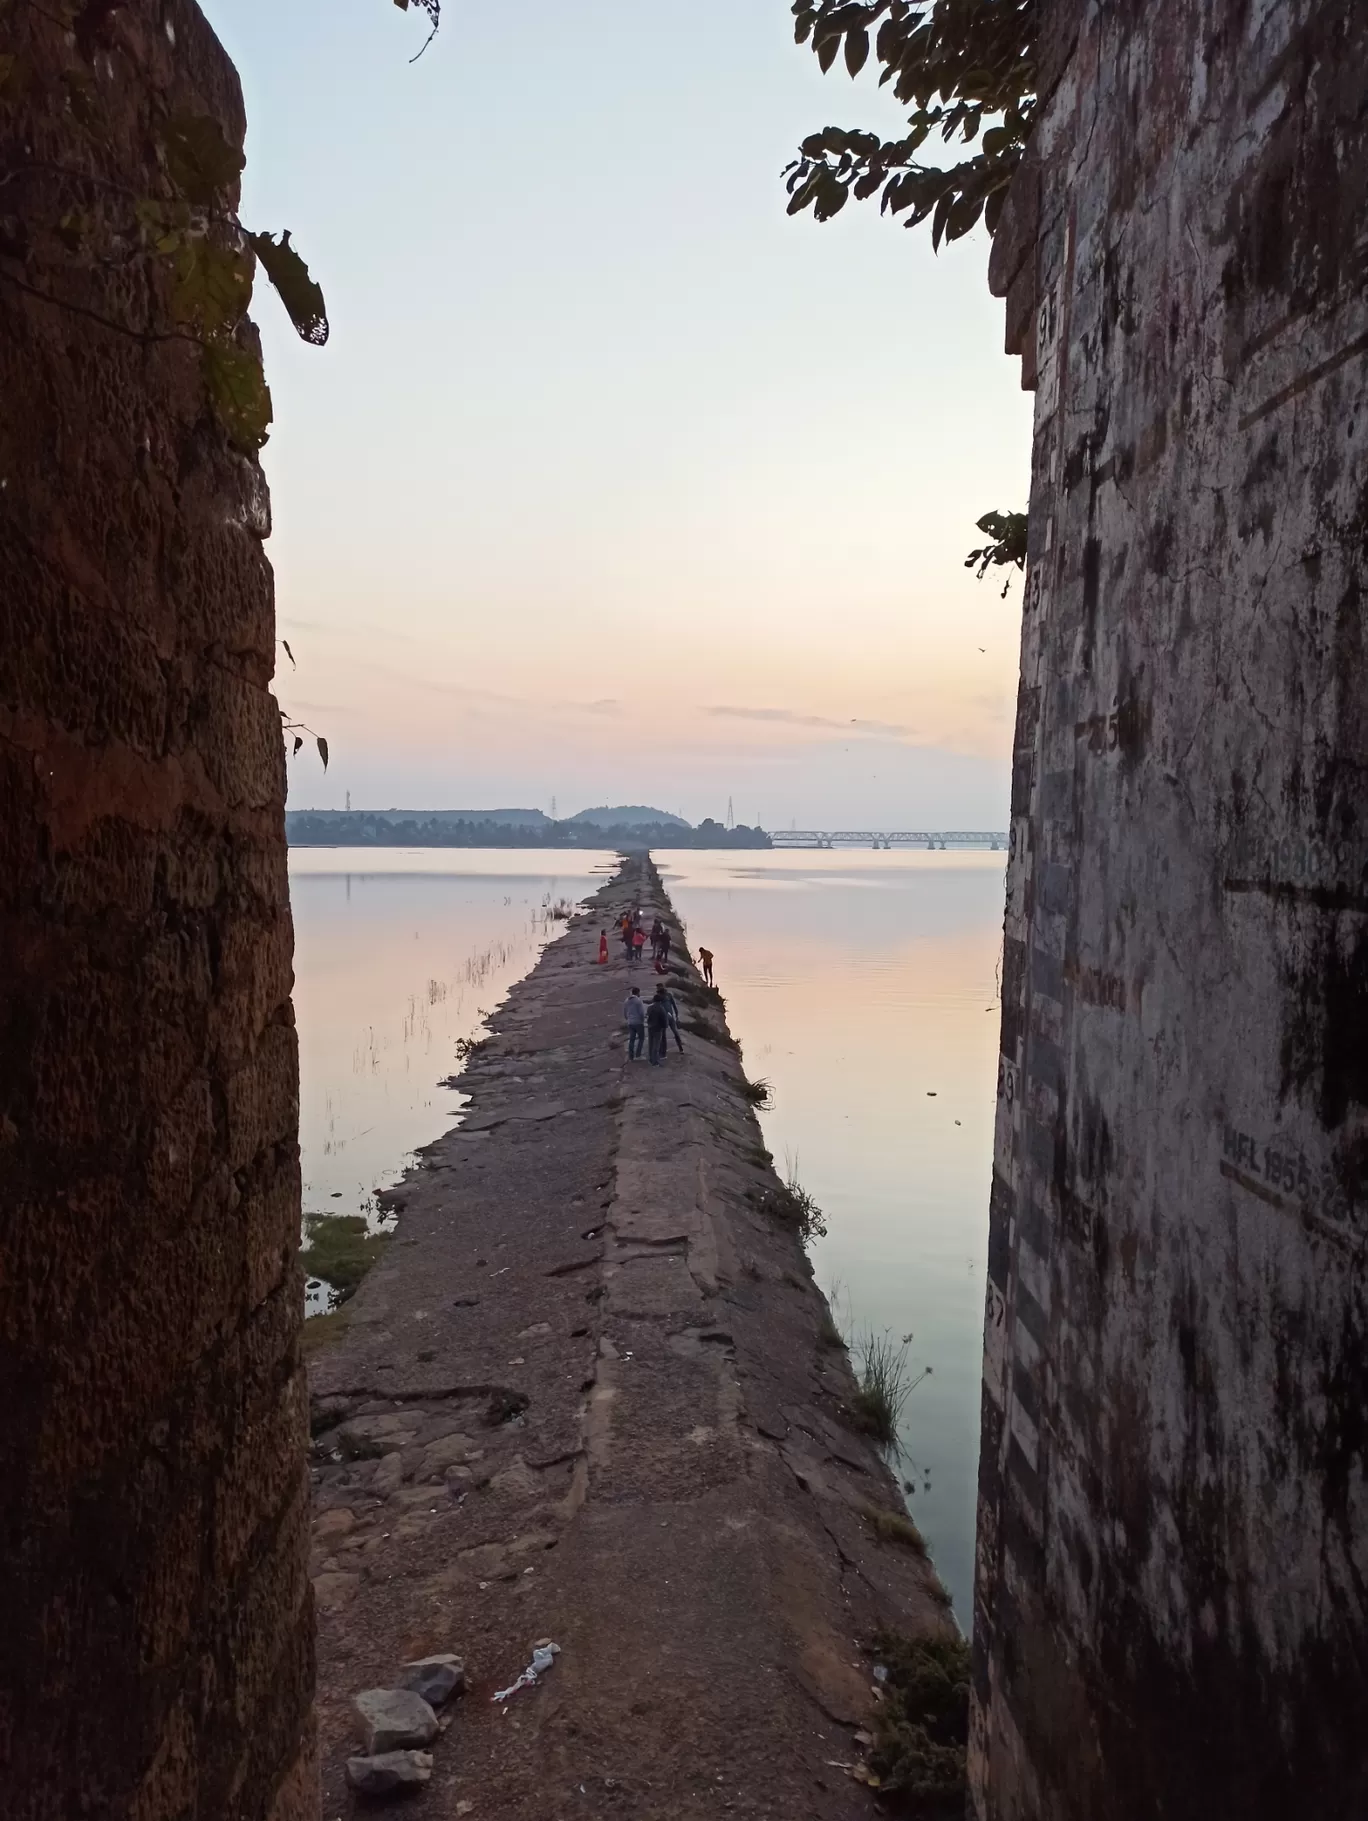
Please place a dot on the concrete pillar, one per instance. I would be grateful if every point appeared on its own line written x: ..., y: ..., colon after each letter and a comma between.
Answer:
x: 156, y: 1651
x: 1173, y: 1526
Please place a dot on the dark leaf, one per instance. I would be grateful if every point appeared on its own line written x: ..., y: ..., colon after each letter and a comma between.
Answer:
x: 1007, y: 530
x: 289, y: 654
x: 299, y: 738
x: 830, y: 200
x: 963, y: 214
x: 803, y: 196
x: 199, y: 160
x: 238, y: 392
x: 856, y: 50
x: 212, y: 287
x: 940, y: 218
x: 322, y: 745
x: 301, y: 296
x: 992, y: 212
x: 826, y: 49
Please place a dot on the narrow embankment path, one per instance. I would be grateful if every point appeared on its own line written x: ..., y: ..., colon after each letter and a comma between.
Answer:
x: 585, y: 1396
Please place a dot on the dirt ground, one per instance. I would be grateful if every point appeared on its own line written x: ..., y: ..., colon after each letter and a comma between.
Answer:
x: 585, y: 1397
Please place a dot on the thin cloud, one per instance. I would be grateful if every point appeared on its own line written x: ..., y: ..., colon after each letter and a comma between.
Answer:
x: 787, y: 717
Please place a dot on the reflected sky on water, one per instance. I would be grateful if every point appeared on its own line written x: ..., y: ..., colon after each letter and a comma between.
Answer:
x: 864, y: 986
x: 398, y: 955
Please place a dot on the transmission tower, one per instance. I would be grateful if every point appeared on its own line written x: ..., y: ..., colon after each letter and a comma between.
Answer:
x: 731, y: 818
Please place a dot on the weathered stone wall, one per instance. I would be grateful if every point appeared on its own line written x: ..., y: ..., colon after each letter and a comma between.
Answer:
x: 156, y: 1654
x: 1173, y: 1525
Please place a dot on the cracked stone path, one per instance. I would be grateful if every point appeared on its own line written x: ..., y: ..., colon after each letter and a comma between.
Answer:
x: 585, y: 1396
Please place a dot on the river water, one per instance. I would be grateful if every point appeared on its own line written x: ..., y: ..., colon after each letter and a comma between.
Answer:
x: 861, y: 985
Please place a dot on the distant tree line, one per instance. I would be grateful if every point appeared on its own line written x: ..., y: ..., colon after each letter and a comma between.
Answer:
x: 360, y: 828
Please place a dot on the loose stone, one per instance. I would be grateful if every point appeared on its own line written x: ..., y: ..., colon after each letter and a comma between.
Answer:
x: 435, y: 1679
x: 394, y: 1718
x: 389, y: 1773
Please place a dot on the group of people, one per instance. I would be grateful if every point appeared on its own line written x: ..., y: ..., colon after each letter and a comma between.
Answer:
x: 652, y: 1020
x: 634, y: 939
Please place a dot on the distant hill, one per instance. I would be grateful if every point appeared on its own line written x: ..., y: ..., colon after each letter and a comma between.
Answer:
x: 507, y: 828
x: 629, y: 815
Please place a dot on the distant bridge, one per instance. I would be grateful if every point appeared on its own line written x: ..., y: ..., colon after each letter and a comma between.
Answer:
x: 878, y: 837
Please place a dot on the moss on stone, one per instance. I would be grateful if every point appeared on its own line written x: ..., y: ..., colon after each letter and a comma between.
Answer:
x: 922, y: 1728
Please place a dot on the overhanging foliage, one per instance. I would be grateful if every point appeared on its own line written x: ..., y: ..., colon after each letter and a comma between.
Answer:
x: 968, y: 66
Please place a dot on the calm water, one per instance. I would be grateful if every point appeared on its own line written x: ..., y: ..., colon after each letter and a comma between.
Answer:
x: 399, y: 953
x: 861, y: 984
x: 864, y: 986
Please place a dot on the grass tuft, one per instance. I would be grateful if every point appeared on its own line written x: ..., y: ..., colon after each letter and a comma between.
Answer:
x: 894, y: 1527
x: 708, y: 1031
x: 884, y: 1385
x: 921, y: 1730
x: 792, y: 1206
x: 759, y: 1093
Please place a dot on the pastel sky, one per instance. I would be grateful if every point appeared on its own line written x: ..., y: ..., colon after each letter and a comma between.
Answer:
x: 614, y: 483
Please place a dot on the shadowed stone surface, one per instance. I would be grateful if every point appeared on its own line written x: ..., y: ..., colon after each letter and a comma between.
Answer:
x: 1171, y: 1610
x: 389, y: 1773
x: 394, y: 1718
x: 156, y: 1655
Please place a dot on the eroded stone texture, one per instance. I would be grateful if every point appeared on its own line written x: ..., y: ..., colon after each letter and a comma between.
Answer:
x: 1170, y: 1609
x: 156, y: 1655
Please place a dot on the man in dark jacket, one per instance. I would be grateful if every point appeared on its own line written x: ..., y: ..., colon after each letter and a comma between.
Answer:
x: 657, y: 1024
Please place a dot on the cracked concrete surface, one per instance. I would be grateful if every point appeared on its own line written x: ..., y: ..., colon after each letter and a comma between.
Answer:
x: 584, y: 1397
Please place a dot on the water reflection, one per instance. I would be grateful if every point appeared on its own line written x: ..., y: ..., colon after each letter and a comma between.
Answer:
x: 399, y: 955
x: 864, y: 986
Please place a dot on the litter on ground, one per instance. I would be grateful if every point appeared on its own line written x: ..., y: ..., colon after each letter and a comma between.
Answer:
x: 543, y: 1657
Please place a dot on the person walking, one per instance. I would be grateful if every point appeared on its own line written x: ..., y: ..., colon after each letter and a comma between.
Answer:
x: 705, y: 962
x: 657, y: 1023
x: 655, y: 937
x: 634, y: 1014
x: 664, y: 950
x: 603, y: 947
x: 672, y: 1017
x: 638, y: 943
